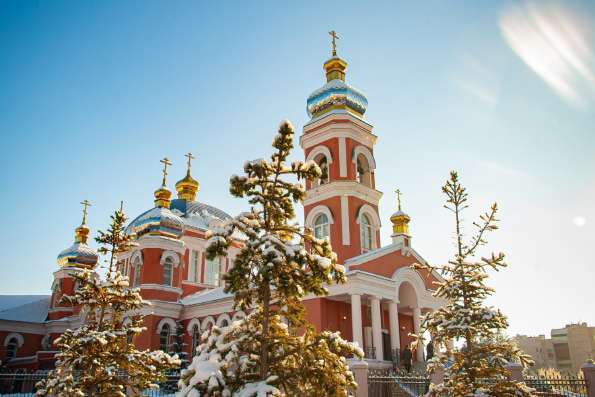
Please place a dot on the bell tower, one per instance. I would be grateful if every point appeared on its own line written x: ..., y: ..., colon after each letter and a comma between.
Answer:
x: 343, y: 204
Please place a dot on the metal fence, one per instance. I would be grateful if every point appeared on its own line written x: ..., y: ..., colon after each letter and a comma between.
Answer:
x: 23, y: 384
x: 388, y: 383
x: 558, y: 386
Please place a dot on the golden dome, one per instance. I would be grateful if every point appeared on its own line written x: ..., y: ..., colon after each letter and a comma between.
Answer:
x: 399, y: 219
x: 187, y: 187
x: 163, y: 195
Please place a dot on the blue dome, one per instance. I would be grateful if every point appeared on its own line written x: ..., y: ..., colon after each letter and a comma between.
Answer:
x: 336, y: 94
x: 78, y: 254
x: 158, y: 220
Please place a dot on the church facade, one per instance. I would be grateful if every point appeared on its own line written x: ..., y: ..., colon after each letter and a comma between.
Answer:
x: 380, y: 304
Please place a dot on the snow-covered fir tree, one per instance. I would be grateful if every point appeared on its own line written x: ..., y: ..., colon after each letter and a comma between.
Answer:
x: 274, y: 351
x: 478, y: 368
x: 99, y: 358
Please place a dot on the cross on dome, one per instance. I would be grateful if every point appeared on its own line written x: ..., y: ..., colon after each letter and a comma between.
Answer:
x: 190, y: 158
x: 86, y: 203
x: 398, y: 192
x: 165, y: 162
x: 334, y: 42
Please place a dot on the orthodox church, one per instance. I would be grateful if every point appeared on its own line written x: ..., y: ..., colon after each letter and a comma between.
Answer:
x: 380, y: 304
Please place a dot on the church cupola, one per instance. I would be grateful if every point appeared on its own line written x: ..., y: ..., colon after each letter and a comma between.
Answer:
x: 79, y: 254
x: 163, y: 194
x: 336, y: 94
x: 400, y: 221
x: 187, y: 187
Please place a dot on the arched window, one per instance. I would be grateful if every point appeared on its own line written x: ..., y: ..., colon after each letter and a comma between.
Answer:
x: 364, y: 175
x: 11, y: 347
x: 322, y: 162
x: 46, y: 342
x: 164, y: 337
x: 321, y: 226
x: 195, y: 339
x: 366, y: 232
x: 137, y: 272
x: 168, y: 270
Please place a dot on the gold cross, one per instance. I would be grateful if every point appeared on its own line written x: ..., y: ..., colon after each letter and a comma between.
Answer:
x: 165, y: 162
x: 86, y: 203
x: 335, y: 37
x: 121, y: 205
x: 398, y: 198
x: 190, y: 157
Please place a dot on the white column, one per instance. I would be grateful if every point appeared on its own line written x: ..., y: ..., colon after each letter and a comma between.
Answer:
x: 393, y: 317
x: 356, y: 319
x: 377, y: 327
x: 419, y: 352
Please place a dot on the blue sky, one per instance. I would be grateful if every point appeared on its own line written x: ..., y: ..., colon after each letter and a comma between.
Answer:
x: 93, y: 94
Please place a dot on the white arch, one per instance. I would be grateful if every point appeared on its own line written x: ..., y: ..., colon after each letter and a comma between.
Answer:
x: 366, y: 153
x: 18, y: 337
x: 238, y: 316
x: 205, y: 322
x: 314, y: 212
x: 371, y: 212
x: 222, y: 318
x: 191, y: 325
x: 172, y: 325
x: 320, y: 150
x: 412, y: 277
x: 136, y: 258
x: 170, y: 254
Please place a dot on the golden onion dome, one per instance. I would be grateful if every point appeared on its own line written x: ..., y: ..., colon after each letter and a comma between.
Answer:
x: 399, y: 219
x: 187, y: 187
x: 79, y: 254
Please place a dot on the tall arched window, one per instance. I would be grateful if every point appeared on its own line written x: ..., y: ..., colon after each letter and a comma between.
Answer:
x: 136, y: 272
x: 168, y: 270
x: 322, y: 162
x: 321, y: 226
x: 364, y: 174
x: 11, y: 348
x: 164, y: 337
x: 366, y: 232
x: 212, y: 271
x: 195, y: 339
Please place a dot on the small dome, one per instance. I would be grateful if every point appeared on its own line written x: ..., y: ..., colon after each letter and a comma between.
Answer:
x: 399, y: 214
x: 159, y: 221
x: 78, y: 254
x: 187, y: 188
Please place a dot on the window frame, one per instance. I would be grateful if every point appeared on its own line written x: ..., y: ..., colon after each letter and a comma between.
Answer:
x: 322, y: 230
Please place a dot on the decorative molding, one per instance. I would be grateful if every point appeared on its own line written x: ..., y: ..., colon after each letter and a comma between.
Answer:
x: 22, y: 327
x: 136, y: 258
x: 206, y: 322
x: 238, y: 316
x: 172, y: 255
x: 191, y: 325
x: 161, y: 287
x: 171, y: 322
x: 345, y: 221
x: 340, y: 188
x: 223, y: 317
x: 163, y: 309
x: 361, y: 149
x: 19, y: 338
x: 164, y: 243
x: 336, y: 126
x: 320, y: 150
x: 342, y: 157
x: 314, y: 212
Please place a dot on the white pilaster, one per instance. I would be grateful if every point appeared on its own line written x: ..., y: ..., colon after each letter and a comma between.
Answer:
x: 356, y: 319
x: 393, y: 317
x: 345, y: 220
x: 342, y: 157
x: 377, y: 327
x: 419, y: 352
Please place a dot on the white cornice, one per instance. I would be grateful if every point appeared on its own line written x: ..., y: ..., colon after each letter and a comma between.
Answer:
x: 163, y: 309
x: 219, y: 306
x: 22, y: 327
x: 324, y: 129
x: 342, y: 188
x: 165, y: 243
x: 160, y: 287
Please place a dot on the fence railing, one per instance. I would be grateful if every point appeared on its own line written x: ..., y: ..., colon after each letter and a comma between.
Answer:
x: 23, y: 384
x: 558, y: 386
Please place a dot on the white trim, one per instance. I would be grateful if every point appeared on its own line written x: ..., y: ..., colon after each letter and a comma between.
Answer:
x: 342, y: 157
x: 170, y: 254
x: 171, y: 322
x: 369, y: 210
x: 320, y: 150
x: 161, y: 287
x: 340, y: 188
x: 323, y: 129
x: 238, y: 316
x: 191, y: 325
x: 19, y: 338
x: 24, y: 327
x: 361, y: 149
x: 222, y: 318
x: 314, y: 212
x: 137, y: 254
x: 345, y: 220
x: 206, y: 321
x: 164, y: 243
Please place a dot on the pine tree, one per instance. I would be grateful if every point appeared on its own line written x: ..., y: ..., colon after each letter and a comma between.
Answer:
x: 99, y: 358
x: 274, y: 351
x: 478, y: 368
